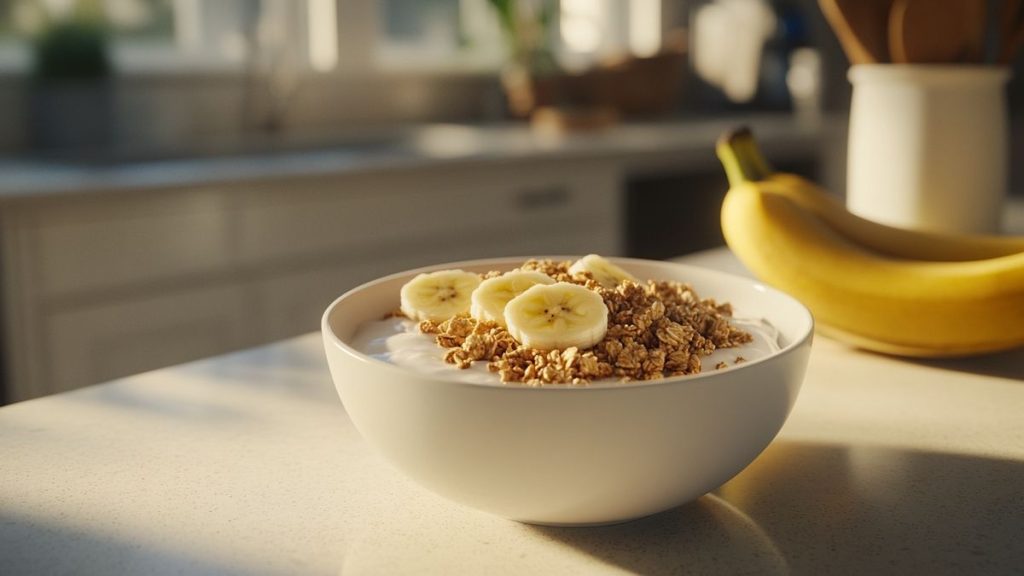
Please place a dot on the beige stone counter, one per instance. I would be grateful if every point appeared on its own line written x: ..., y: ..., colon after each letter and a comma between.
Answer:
x: 248, y: 464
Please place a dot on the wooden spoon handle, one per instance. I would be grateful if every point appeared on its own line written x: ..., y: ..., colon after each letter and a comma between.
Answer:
x: 860, y: 26
x: 897, y: 40
x: 937, y: 31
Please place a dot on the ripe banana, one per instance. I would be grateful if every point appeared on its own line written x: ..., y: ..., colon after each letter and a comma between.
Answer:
x: 557, y: 316
x: 488, y: 301
x: 604, y: 272
x: 438, y: 296
x: 743, y: 161
x: 885, y: 289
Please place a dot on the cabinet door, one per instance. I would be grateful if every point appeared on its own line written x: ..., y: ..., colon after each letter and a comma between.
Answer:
x: 292, y: 303
x: 90, y: 345
x: 94, y: 245
x: 417, y: 209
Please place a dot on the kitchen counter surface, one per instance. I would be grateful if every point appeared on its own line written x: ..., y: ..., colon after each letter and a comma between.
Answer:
x: 247, y: 463
x: 426, y: 145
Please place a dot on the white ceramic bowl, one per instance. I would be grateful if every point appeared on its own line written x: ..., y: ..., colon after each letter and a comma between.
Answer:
x: 571, y: 455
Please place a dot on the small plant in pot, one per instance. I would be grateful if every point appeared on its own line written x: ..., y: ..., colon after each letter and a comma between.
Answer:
x: 71, y: 88
x: 532, y: 77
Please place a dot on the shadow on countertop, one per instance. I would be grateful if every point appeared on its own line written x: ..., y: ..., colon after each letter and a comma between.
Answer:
x: 805, y: 508
x: 1007, y: 364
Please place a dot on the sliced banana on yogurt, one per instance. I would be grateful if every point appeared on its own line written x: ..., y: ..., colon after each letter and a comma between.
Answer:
x: 604, y: 272
x: 487, y: 303
x: 437, y: 296
x: 557, y: 316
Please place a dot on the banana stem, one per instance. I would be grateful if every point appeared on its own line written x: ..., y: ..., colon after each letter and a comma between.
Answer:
x: 741, y: 157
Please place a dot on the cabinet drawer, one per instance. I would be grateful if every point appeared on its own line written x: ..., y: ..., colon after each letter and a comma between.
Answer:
x: 96, y: 344
x: 117, y: 243
x: 352, y: 214
x: 292, y: 304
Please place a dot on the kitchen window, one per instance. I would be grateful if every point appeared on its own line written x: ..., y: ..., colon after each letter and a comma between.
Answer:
x: 327, y: 35
x: 13, y: 52
x: 188, y: 35
x: 437, y: 34
x: 441, y: 34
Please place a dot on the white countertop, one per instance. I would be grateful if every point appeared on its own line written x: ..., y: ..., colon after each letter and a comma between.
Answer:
x: 248, y: 464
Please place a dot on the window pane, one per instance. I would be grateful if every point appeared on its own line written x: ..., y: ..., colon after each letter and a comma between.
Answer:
x: 439, y: 34
x: 6, y: 17
x: 141, y: 19
x: 127, y: 18
x: 431, y: 23
x: 19, y: 17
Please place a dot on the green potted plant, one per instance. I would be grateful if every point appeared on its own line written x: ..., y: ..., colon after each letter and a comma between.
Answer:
x: 532, y: 76
x: 71, y: 91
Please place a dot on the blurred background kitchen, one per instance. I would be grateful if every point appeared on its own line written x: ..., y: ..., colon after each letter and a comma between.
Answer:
x: 182, y: 178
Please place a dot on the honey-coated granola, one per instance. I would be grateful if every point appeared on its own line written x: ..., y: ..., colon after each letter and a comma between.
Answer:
x: 655, y: 330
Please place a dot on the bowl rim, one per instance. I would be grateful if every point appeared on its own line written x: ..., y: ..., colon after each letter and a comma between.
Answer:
x: 329, y: 336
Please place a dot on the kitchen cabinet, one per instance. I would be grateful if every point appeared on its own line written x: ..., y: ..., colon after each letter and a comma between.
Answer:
x: 93, y: 245
x: 103, y: 285
x: 98, y: 342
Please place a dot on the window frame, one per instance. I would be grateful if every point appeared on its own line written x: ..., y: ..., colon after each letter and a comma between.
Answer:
x: 359, y: 42
x: 189, y: 51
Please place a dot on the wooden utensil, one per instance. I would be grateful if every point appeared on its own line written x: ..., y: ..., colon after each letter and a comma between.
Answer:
x: 860, y: 26
x: 936, y: 31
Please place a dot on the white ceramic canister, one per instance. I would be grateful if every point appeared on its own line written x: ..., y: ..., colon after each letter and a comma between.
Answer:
x: 928, y: 146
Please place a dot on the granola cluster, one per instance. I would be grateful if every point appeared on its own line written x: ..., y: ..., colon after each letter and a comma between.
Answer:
x: 655, y: 330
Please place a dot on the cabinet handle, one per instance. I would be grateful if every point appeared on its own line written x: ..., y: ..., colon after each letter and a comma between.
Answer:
x: 542, y: 198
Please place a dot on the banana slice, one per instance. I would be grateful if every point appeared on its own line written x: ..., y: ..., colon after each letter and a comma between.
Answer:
x: 487, y: 303
x: 438, y: 296
x: 607, y: 274
x: 557, y: 316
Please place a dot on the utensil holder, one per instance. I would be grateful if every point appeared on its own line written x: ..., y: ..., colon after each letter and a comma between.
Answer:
x: 928, y: 146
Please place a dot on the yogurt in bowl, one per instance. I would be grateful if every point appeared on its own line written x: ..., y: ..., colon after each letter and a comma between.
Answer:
x: 569, y: 455
x: 398, y: 340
